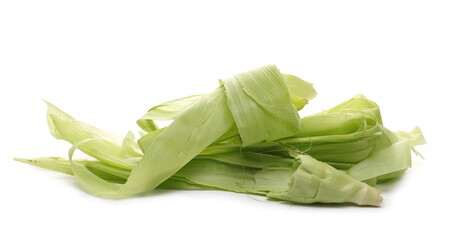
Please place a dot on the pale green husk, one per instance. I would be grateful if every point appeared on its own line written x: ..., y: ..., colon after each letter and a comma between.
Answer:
x: 246, y: 136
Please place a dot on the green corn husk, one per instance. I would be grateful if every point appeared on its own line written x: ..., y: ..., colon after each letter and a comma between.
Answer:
x: 315, y: 181
x: 167, y: 111
x: 246, y: 137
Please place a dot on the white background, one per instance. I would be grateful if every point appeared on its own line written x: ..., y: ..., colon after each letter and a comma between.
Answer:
x: 107, y: 62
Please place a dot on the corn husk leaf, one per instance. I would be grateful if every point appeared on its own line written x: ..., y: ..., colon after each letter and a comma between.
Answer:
x: 262, y: 109
x: 166, y: 111
x: 246, y: 137
x: 103, y: 145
